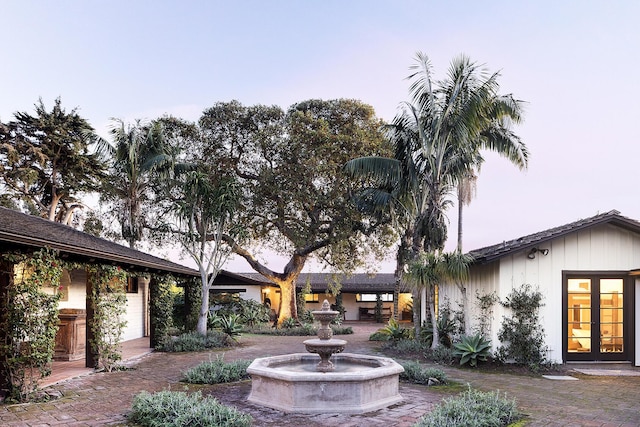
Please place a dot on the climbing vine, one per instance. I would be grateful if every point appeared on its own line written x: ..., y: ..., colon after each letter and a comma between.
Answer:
x: 161, y: 307
x: 193, y: 301
x: 522, y: 335
x: 485, y: 304
x: 30, y: 322
x: 108, y: 302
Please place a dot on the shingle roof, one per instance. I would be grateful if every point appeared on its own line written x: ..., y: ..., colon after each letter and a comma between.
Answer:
x: 21, y: 230
x: 359, y: 282
x: 491, y: 253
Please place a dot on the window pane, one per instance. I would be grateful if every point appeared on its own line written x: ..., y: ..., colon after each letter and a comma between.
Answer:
x: 579, y: 337
x: 608, y: 286
x: 579, y: 285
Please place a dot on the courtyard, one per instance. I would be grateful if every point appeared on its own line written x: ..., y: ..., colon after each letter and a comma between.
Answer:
x: 103, y: 399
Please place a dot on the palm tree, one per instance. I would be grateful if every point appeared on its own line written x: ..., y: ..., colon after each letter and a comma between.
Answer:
x: 137, y: 150
x: 437, y: 139
x: 433, y: 269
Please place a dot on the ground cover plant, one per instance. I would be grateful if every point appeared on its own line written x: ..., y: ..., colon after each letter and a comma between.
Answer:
x: 305, y: 329
x: 472, y: 408
x: 217, y: 371
x: 193, y: 341
x: 418, y: 374
x: 179, y: 409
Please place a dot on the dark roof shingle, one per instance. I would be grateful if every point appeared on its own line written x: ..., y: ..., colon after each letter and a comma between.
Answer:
x: 491, y: 253
x: 21, y: 230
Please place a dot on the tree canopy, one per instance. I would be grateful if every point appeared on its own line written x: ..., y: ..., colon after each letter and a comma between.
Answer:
x: 296, y: 199
x: 45, y: 162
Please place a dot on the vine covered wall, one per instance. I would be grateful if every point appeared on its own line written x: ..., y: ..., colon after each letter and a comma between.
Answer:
x: 161, y: 308
x: 108, y: 304
x: 30, y: 320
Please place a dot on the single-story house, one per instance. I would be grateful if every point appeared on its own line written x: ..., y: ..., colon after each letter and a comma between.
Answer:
x: 589, y: 274
x: 359, y: 292
x: 23, y: 232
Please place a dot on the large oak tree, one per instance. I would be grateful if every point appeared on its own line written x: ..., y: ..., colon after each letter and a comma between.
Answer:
x: 296, y: 198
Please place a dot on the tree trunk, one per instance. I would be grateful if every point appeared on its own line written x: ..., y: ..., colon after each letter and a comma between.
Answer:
x: 434, y: 322
x: 460, y: 207
x: 286, y: 281
x: 201, y: 327
x: 465, y: 321
x: 415, y: 295
x: 287, y: 301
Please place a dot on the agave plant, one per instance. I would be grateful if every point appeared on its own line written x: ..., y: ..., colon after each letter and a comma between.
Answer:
x: 230, y: 325
x: 471, y: 349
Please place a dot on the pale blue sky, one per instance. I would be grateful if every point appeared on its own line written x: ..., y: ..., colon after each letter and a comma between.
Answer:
x: 575, y: 63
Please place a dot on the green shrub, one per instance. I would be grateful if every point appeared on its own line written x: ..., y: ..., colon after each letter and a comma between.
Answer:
x: 417, y: 374
x: 472, y: 409
x: 289, y: 323
x: 306, y: 329
x: 193, y: 341
x: 441, y: 355
x: 522, y: 335
x: 171, y: 408
x: 253, y: 313
x: 408, y: 346
x: 378, y: 336
x: 472, y: 349
x: 394, y: 331
x: 341, y: 330
x: 217, y: 371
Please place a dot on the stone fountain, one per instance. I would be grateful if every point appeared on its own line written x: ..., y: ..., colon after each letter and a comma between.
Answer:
x: 325, y: 380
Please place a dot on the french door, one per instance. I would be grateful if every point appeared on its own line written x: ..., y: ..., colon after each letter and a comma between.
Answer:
x: 596, y: 309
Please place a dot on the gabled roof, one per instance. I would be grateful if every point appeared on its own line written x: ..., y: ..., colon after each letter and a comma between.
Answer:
x: 491, y: 253
x: 18, y: 230
x: 359, y: 282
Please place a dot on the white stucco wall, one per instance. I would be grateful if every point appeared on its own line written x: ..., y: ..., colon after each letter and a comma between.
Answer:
x: 75, y: 284
x: 600, y: 248
x: 136, y: 315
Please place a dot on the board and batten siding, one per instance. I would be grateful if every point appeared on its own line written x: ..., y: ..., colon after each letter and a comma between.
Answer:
x: 599, y: 248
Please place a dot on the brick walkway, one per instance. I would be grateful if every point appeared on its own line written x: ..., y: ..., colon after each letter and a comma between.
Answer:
x: 104, y: 398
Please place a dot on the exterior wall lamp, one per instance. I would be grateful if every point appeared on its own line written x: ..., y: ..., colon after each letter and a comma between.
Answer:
x: 533, y: 251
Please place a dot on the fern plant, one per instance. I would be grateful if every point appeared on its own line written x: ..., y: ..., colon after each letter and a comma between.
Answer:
x: 472, y: 349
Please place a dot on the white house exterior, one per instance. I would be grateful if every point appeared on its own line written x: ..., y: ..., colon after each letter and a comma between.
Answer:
x: 26, y: 233
x: 359, y: 292
x: 589, y: 274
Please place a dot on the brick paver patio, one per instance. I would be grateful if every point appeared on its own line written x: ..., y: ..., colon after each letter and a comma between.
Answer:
x: 102, y: 399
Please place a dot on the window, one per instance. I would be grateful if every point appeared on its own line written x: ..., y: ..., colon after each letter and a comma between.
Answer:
x: 132, y: 285
x: 386, y: 297
x: 312, y: 297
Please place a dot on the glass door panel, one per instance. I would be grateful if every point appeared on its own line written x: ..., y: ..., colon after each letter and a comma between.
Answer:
x: 579, y: 315
x: 611, y: 316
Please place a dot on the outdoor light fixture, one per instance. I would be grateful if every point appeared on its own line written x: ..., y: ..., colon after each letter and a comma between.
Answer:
x: 533, y: 251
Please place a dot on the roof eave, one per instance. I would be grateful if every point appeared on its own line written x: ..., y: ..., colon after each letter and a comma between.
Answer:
x: 89, y: 253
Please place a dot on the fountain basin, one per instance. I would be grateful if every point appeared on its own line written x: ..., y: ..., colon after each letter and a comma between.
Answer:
x: 359, y: 384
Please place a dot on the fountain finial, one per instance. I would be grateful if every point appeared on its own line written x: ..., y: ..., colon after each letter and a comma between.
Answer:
x: 325, y: 345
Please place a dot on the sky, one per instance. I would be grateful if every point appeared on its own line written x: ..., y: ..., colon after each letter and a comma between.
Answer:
x: 574, y: 63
